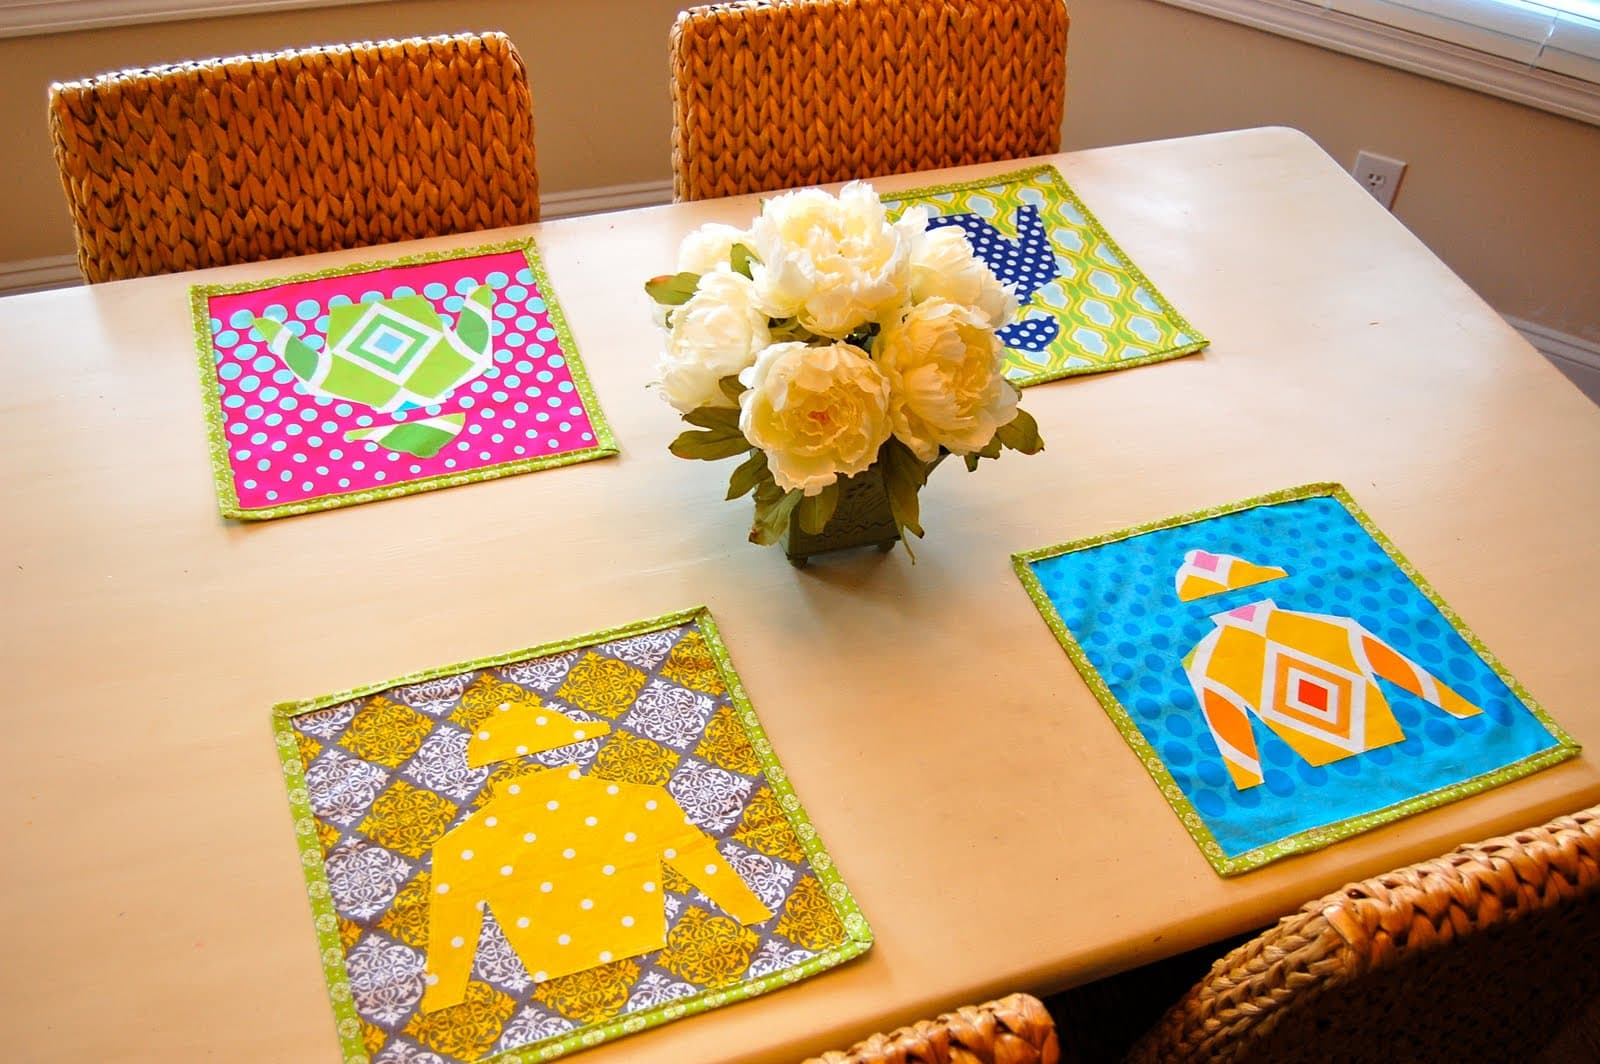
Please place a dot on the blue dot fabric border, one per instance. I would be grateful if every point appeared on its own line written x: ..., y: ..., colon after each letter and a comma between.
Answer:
x: 1114, y: 605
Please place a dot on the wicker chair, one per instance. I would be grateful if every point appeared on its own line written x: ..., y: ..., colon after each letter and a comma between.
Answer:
x: 1491, y: 952
x: 771, y: 94
x: 1013, y: 1030
x: 258, y: 157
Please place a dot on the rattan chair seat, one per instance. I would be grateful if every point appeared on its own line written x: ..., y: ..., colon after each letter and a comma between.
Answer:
x: 1491, y: 952
x: 1013, y: 1030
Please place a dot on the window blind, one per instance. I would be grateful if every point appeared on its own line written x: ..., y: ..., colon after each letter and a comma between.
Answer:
x: 1559, y: 36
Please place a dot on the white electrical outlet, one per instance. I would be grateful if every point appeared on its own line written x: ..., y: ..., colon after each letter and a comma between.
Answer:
x: 1379, y: 175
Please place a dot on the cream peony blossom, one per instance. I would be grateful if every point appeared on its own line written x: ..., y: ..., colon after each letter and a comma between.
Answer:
x: 714, y: 335
x: 819, y: 413
x: 709, y: 247
x: 943, y: 266
x: 833, y: 263
x: 946, y: 388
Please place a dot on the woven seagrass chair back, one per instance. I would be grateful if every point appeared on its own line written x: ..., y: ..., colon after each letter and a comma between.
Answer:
x: 259, y: 157
x: 1489, y: 953
x: 770, y: 94
x: 1013, y: 1030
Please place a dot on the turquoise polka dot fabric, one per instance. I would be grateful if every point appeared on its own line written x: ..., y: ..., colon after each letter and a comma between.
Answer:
x: 1113, y: 603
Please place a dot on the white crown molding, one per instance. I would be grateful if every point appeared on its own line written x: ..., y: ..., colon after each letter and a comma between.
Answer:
x: 1410, y: 51
x: 26, y: 18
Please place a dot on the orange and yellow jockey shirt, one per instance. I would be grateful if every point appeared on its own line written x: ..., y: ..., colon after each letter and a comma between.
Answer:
x: 1310, y: 677
x: 571, y: 867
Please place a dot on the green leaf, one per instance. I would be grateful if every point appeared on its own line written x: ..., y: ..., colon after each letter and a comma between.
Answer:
x: 773, y: 507
x: 990, y: 449
x: 1021, y: 433
x: 708, y: 446
x: 972, y: 462
x: 718, y: 419
x: 749, y: 475
x: 903, y: 476
x: 741, y: 259
x: 731, y: 387
x: 672, y: 290
x: 816, y: 510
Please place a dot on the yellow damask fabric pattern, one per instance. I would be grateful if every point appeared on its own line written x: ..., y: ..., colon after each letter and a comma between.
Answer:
x: 691, y: 664
x: 726, y: 746
x: 593, y: 994
x: 385, y: 733
x: 407, y: 819
x: 604, y: 686
x: 709, y: 950
x: 407, y: 917
x: 808, y: 919
x: 766, y: 829
x: 465, y: 1031
x: 308, y: 747
x: 631, y: 759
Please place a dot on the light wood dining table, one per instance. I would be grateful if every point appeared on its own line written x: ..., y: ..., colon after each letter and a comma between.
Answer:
x: 994, y: 827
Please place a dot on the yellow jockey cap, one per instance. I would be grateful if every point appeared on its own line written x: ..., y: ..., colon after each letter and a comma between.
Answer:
x: 1204, y: 573
x: 522, y: 725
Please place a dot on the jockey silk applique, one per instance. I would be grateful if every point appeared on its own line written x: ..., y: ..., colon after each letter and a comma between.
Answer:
x: 534, y: 853
x: 1284, y: 674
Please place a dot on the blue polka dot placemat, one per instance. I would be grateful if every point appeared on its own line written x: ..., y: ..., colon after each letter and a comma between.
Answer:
x: 1085, y: 306
x: 380, y: 379
x: 1285, y: 675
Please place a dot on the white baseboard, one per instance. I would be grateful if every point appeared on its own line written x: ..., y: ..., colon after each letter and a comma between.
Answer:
x: 606, y: 198
x: 36, y: 275
x: 1575, y: 356
x: 61, y: 271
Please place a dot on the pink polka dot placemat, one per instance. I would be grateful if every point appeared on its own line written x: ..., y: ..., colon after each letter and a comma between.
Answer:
x: 382, y: 379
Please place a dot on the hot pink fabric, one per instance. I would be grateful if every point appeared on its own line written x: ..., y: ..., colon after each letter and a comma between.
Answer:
x: 286, y: 445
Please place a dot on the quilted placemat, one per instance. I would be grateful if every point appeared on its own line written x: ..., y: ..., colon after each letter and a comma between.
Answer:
x: 529, y: 854
x: 1085, y: 306
x: 381, y: 379
x: 1285, y: 675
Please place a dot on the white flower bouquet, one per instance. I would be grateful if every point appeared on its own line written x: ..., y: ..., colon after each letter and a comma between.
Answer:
x: 827, y: 342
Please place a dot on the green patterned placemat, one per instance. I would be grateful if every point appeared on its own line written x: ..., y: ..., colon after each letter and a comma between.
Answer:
x: 517, y: 857
x: 1086, y: 308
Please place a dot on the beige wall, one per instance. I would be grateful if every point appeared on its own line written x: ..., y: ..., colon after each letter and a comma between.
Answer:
x: 1504, y: 193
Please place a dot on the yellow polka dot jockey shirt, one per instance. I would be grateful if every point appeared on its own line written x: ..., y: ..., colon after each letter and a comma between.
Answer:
x: 571, y: 867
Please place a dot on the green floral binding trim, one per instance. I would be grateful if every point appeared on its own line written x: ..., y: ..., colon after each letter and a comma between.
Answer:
x: 844, y: 904
x: 605, y: 445
x: 1060, y: 185
x: 1313, y: 838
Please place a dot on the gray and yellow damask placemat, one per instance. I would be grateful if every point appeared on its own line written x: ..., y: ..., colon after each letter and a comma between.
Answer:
x: 524, y: 855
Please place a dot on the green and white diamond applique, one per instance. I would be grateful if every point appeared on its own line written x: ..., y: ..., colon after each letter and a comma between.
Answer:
x: 391, y: 353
